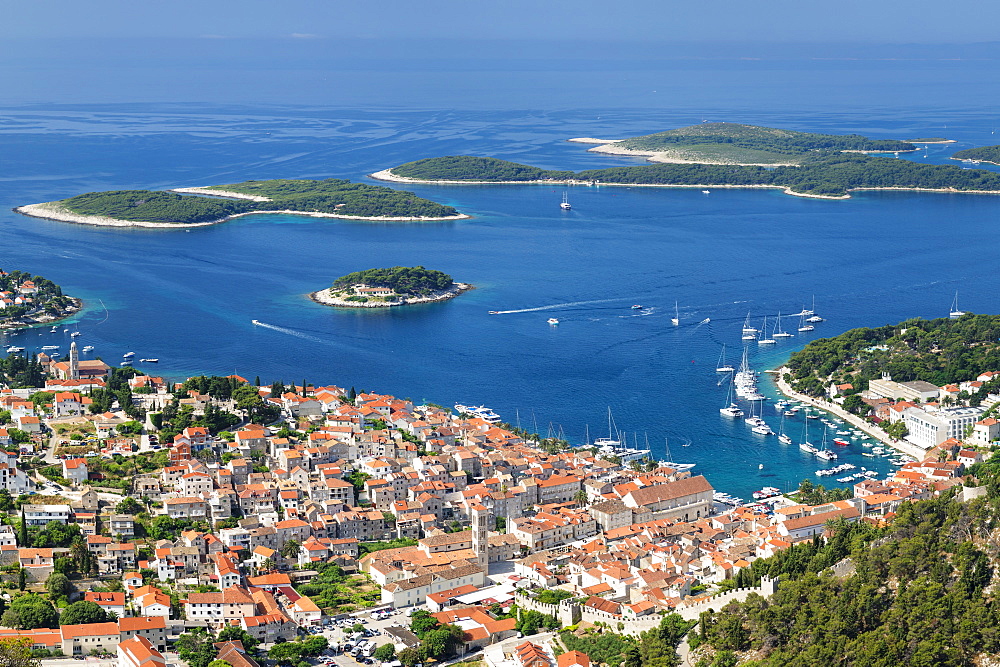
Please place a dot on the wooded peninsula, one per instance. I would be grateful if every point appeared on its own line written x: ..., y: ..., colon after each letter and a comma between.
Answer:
x: 26, y: 300
x: 333, y: 197
x: 989, y: 154
x: 728, y: 155
x: 940, y: 351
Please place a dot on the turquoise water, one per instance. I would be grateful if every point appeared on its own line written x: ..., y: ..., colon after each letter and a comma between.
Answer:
x: 187, y: 298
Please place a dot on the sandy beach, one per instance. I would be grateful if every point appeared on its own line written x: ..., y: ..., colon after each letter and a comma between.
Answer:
x: 53, y: 211
x: 591, y: 140
x: 325, y: 298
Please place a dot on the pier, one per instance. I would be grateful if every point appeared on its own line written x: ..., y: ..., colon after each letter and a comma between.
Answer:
x: 854, y: 420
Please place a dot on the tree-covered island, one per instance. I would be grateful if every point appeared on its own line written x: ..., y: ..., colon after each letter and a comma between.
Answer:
x: 735, y: 143
x: 335, y: 198
x: 27, y: 300
x: 988, y: 154
x: 727, y: 155
x: 393, y: 286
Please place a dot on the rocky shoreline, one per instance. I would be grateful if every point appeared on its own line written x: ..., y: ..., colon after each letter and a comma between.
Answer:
x: 45, y: 319
x: 325, y: 298
x: 53, y: 211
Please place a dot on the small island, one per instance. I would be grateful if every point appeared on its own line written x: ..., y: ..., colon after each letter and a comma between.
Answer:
x: 932, y: 140
x: 987, y: 154
x: 26, y: 300
x: 189, y: 207
x: 393, y: 286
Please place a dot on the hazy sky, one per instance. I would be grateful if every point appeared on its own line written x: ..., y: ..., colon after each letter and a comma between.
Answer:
x: 909, y: 21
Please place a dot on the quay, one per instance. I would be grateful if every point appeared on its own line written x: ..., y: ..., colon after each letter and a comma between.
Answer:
x: 874, y: 431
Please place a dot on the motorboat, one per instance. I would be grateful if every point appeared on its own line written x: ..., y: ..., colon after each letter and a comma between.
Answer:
x: 552, y: 320
x: 50, y: 347
x: 128, y: 355
x: 636, y: 307
x: 88, y: 348
x: 75, y: 334
x: 149, y: 361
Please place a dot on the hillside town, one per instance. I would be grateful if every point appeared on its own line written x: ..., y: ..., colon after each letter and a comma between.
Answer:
x: 351, y: 508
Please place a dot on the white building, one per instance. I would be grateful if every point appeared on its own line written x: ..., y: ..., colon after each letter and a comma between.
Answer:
x: 40, y: 515
x: 929, y: 429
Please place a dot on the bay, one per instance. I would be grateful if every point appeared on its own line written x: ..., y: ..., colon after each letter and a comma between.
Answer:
x: 188, y: 298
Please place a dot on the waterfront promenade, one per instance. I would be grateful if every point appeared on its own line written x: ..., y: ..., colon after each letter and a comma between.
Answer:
x: 854, y: 420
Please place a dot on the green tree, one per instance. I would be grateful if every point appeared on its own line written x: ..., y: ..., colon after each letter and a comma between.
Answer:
x: 385, y: 653
x: 16, y: 652
x: 58, y: 585
x: 82, y: 612
x: 422, y: 622
x: 30, y: 611
x: 285, y: 654
x: 290, y: 549
x: 234, y: 633
x: 409, y: 657
x: 219, y: 663
x: 128, y: 506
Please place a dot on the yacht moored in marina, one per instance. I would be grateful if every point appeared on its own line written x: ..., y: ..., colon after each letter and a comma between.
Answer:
x: 482, y: 412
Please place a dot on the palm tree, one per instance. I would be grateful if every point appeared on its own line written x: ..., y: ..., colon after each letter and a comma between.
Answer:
x: 580, y: 497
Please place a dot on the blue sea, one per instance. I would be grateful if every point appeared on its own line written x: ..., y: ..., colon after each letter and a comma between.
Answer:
x: 188, y: 297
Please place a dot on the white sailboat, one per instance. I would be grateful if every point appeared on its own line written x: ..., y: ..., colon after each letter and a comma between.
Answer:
x: 747, y: 329
x: 782, y: 437
x: 824, y: 453
x: 778, y: 331
x: 803, y: 326
x: 722, y: 366
x: 731, y: 409
x: 805, y: 445
x: 765, y: 341
x: 676, y: 319
x: 813, y: 317
x: 565, y: 205
x: 955, y: 313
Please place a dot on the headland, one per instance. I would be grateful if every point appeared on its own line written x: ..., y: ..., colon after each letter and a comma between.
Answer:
x: 33, y: 300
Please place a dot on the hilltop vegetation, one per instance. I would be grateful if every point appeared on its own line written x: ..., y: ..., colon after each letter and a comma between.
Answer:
x: 916, y: 593
x: 150, y: 206
x: 939, y: 351
x: 331, y: 196
x: 340, y: 196
x: 819, y: 174
x: 468, y: 168
x: 981, y: 153
x: 735, y: 142
x: 401, y: 279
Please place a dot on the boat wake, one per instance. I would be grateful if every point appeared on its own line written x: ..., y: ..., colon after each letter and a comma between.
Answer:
x: 554, y: 306
x: 290, y: 332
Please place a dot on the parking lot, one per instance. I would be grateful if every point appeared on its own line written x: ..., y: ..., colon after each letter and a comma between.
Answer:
x: 339, y: 634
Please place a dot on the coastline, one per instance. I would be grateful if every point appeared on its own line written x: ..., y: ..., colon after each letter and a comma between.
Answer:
x: 387, y: 175
x: 943, y: 141
x: 965, y: 159
x: 324, y: 298
x: 45, y: 319
x: 853, y: 420
x: 665, y: 157
x: 592, y: 140
x: 53, y: 211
